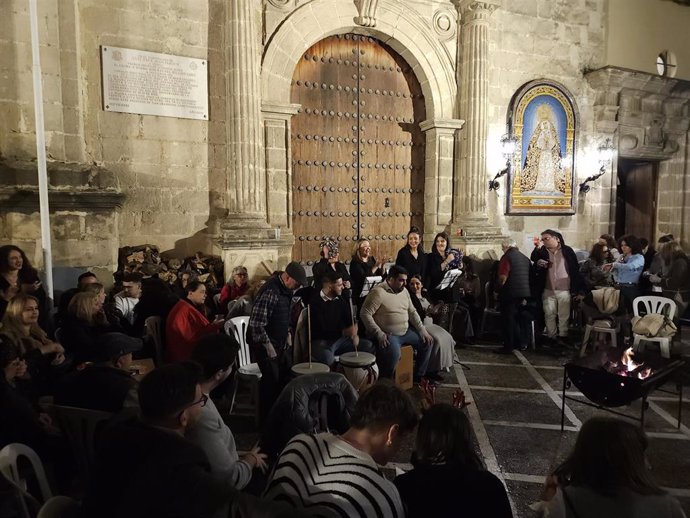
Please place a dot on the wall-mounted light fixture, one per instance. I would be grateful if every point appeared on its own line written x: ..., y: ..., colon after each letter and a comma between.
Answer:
x: 605, y: 155
x: 508, y: 145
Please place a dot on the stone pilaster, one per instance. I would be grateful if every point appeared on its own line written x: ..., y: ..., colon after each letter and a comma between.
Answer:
x: 245, y: 143
x: 246, y: 237
x: 470, y: 207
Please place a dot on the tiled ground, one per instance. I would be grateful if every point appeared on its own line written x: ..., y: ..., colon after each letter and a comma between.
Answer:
x: 516, y: 417
x: 517, y: 422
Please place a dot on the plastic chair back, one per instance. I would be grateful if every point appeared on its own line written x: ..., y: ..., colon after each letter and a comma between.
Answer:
x: 59, y: 507
x: 654, y: 304
x: 80, y: 426
x: 153, y: 330
x: 9, y: 467
x: 238, y: 326
x: 58, y: 335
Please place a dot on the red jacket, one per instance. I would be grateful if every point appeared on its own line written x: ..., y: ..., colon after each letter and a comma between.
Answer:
x: 231, y: 292
x: 183, y: 328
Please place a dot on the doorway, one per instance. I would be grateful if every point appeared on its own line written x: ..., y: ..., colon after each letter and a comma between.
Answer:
x: 357, y: 149
x: 636, y: 198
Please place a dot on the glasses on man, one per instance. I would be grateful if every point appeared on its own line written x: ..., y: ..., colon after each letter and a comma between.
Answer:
x: 201, y: 402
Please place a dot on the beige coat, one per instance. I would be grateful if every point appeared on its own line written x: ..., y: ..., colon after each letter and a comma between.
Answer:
x: 385, y: 312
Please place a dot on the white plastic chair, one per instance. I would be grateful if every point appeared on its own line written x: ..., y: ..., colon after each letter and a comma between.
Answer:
x: 153, y: 331
x: 9, y: 457
x: 661, y: 306
x: 59, y: 507
x: 58, y: 335
x: 591, y: 328
x: 247, y: 370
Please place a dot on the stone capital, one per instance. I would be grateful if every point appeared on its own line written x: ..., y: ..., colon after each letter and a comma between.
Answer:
x: 281, y: 111
x: 442, y: 125
x: 474, y: 11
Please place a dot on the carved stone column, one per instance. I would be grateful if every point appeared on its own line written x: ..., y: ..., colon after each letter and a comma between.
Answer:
x: 470, y: 210
x: 245, y: 236
x: 246, y: 175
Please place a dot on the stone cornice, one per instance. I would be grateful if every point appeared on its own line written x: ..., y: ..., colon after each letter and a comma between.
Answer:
x: 283, y: 111
x: 617, y: 78
x: 71, y: 187
x: 450, y: 125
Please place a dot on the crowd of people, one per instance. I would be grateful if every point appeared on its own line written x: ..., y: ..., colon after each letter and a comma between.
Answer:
x: 168, y: 450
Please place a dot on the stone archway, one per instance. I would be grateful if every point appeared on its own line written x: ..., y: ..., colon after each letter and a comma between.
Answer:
x: 410, y: 36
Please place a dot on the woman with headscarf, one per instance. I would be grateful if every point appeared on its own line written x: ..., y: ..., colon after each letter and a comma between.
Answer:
x: 330, y: 259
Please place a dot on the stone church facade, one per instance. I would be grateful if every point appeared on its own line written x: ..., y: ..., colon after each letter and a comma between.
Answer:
x: 231, y: 185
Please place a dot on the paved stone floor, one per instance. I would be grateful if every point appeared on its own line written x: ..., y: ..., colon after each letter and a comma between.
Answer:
x: 516, y: 413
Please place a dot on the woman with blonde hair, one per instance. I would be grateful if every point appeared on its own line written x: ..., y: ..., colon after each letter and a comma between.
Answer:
x: 20, y: 326
x: 363, y: 265
x: 85, y: 323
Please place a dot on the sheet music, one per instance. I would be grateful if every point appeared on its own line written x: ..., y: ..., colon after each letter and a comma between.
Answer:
x: 369, y: 283
x: 449, y: 279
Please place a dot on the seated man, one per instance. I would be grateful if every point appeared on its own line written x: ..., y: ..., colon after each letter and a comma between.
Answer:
x: 127, y: 299
x: 216, y: 354
x: 186, y: 323
x: 386, y: 314
x: 333, y: 330
x: 106, y: 384
x: 146, y: 467
x: 332, y: 476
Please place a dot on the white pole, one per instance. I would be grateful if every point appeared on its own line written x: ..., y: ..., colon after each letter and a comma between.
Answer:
x: 41, y: 154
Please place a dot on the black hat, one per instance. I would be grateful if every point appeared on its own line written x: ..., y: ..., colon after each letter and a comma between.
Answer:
x: 296, y: 271
x: 111, y: 346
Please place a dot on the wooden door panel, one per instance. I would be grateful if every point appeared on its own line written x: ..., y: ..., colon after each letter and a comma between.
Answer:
x: 355, y: 170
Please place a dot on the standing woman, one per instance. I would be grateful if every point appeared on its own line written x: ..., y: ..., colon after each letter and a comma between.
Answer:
x: 675, y: 284
x: 441, y: 259
x: 363, y: 265
x: 412, y: 256
x: 17, y: 275
x: 330, y: 259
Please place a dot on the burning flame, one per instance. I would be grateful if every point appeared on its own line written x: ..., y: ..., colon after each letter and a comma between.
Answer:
x: 627, y: 360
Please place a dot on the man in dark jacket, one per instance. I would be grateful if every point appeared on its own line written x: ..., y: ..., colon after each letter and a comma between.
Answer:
x: 106, y: 384
x: 269, y: 327
x: 145, y: 467
x: 513, y: 291
x: 557, y: 278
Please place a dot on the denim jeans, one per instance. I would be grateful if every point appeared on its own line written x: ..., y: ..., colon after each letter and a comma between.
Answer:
x: 325, y: 351
x: 388, y: 357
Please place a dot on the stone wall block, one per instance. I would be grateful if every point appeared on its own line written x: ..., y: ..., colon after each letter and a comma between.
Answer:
x: 68, y: 225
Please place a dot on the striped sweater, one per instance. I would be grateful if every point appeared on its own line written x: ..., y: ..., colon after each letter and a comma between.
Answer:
x: 328, y: 477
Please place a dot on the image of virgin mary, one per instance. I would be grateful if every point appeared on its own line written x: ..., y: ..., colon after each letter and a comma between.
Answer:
x: 542, y: 170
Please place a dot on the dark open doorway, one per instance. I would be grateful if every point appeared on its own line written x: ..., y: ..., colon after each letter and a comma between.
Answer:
x: 636, y: 198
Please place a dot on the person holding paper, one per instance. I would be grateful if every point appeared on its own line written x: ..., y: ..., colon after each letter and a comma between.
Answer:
x: 387, y: 314
x: 363, y: 265
x: 441, y: 259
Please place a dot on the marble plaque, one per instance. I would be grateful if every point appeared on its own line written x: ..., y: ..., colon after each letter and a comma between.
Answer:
x: 150, y: 83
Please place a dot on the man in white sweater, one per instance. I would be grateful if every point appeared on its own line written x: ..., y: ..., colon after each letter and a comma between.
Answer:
x: 216, y: 354
x: 387, y: 313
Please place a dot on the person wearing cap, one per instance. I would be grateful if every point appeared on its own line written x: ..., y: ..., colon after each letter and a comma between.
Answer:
x: 106, y: 384
x: 269, y: 327
x: 330, y: 262
x: 237, y: 286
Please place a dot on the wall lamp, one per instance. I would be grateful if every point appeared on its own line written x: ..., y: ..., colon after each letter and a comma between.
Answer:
x: 508, y: 145
x: 605, y: 154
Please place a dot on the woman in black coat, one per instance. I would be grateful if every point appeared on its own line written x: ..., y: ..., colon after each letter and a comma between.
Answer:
x: 330, y: 259
x: 363, y: 265
x: 412, y: 256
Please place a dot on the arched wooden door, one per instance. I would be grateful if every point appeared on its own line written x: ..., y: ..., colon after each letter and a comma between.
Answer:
x: 357, y: 150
